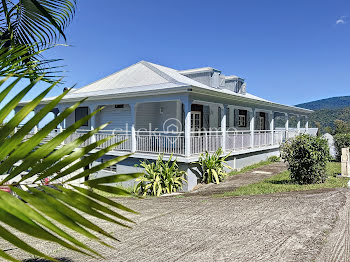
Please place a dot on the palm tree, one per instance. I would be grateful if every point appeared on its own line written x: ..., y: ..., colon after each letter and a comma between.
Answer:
x: 26, y: 159
x: 34, y: 25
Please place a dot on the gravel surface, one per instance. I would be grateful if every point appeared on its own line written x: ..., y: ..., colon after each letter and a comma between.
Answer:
x: 296, y: 226
x: 279, y: 227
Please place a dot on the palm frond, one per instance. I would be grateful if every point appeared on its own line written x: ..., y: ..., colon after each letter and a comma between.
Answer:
x: 21, y: 62
x: 66, y: 201
x: 35, y: 21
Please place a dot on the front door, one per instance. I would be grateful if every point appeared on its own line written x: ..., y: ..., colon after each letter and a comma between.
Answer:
x: 196, y: 121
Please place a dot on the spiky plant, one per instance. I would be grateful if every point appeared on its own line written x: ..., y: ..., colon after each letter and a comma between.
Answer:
x: 161, y: 177
x: 212, y: 166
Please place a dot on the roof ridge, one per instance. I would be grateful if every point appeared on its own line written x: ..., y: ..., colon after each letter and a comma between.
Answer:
x: 123, y: 69
x: 160, y: 72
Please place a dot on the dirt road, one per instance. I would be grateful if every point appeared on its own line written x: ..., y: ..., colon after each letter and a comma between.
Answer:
x: 279, y: 227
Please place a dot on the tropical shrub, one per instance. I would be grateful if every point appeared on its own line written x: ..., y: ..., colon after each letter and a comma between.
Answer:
x: 212, y: 167
x: 307, y: 157
x: 341, y: 141
x: 161, y: 177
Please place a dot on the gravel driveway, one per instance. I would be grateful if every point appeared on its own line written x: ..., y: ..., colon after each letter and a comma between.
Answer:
x: 279, y: 227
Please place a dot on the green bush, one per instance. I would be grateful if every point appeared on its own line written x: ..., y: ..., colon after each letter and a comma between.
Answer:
x: 212, y: 167
x: 307, y: 157
x: 341, y: 141
x: 160, y: 177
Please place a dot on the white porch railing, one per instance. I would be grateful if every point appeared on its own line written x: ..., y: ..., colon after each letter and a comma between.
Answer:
x: 160, y: 142
x: 202, y: 141
x: 238, y: 140
x: 118, y: 136
x: 156, y: 142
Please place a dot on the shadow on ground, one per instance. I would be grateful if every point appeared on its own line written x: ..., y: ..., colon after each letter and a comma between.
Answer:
x: 63, y: 259
x: 281, y: 182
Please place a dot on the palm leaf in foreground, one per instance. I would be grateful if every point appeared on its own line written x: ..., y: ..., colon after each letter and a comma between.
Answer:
x: 50, y: 210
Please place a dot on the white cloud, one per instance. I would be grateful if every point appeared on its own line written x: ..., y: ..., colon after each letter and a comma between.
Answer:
x: 341, y: 20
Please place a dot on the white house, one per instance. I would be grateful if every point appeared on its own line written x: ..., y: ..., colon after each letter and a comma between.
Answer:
x: 184, y: 113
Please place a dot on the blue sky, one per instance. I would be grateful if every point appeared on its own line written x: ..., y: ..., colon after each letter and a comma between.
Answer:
x: 288, y: 51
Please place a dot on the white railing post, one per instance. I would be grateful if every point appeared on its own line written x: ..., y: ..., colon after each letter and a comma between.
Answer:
x: 298, y: 124
x: 223, y: 126
x: 187, y: 108
x: 252, y: 127
x: 133, y: 130
x: 306, y: 125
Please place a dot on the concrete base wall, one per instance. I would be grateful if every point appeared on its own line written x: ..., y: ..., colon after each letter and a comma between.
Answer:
x: 193, y: 177
x: 240, y: 161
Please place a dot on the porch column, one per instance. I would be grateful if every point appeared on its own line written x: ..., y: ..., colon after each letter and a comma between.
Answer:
x: 187, y: 109
x: 252, y: 127
x: 306, y: 125
x: 223, y: 126
x: 298, y: 123
x: 36, y: 127
x: 286, y: 127
x: 272, y: 127
x: 60, y: 109
x: 133, y: 129
x: 92, y: 108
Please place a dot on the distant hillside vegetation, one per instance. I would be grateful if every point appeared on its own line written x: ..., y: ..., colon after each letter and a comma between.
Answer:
x: 326, y: 117
x: 327, y: 111
x: 328, y: 103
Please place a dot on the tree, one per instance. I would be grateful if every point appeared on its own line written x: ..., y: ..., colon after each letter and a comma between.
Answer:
x: 341, y: 127
x: 27, y: 159
x: 328, y: 130
x: 34, y: 25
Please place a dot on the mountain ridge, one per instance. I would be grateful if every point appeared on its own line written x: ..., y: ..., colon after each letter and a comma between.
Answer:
x: 337, y: 102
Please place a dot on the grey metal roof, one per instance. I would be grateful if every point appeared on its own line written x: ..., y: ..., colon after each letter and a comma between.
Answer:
x: 144, y: 77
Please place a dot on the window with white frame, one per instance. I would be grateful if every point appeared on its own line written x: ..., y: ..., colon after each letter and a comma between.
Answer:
x: 242, y: 118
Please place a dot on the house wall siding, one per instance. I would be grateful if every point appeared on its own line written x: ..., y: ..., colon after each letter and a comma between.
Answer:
x: 120, y: 117
x: 147, y: 114
x: 150, y: 113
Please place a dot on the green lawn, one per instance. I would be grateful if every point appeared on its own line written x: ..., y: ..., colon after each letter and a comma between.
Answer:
x: 282, y: 183
x: 251, y: 167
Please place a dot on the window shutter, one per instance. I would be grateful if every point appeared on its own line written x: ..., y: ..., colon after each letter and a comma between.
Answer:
x: 248, y: 119
x: 227, y: 117
x: 183, y: 117
x: 267, y: 122
x: 80, y: 113
x: 235, y: 118
x: 206, y: 113
x: 257, y: 121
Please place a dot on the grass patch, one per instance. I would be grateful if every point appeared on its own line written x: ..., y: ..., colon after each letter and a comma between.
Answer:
x: 251, y: 167
x: 110, y: 195
x: 282, y: 183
